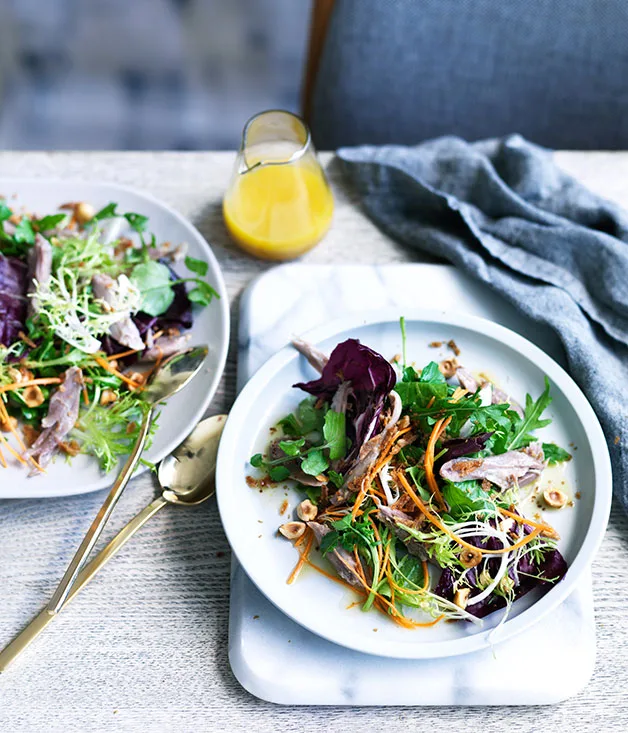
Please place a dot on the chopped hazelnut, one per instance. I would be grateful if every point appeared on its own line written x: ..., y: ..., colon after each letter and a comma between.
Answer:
x: 137, y: 377
x: 84, y: 212
x: 292, y: 530
x: 470, y: 558
x: 107, y: 397
x: 30, y: 434
x: 307, y: 511
x: 8, y: 425
x: 448, y: 367
x: 461, y: 596
x: 70, y: 447
x: 555, y: 498
x: 33, y: 396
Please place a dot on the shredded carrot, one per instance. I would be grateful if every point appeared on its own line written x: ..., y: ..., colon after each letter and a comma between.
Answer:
x: 122, y: 354
x: 426, y: 575
x: 3, y: 460
x: 13, y: 452
x: 29, y: 383
x: 302, y: 559
x: 105, y: 365
x: 374, y: 470
x: 546, y: 529
x: 428, y: 461
x: 85, y: 396
x: 5, y: 418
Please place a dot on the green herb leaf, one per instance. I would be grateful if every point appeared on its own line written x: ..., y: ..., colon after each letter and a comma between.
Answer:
x: 431, y: 373
x: 464, y: 497
x: 24, y: 232
x: 153, y: 281
x: 137, y: 222
x: 334, y: 434
x: 315, y: 463
x: 417, y: 474
x: 402, y: 326
x: 278, y: 473
x: 292, y: 447
x: 257, y: 460
x: 108, y: 212
x: 310, y: 417
x: 531, y: 419
x: 555, y: 454
x: 203, y: 293
x: 49, y: 222
x: 5, y: 211
x: 329, y: 542
x: 416, y: 395
x: 197, y: 266
x: 290, y: 425
x: 336, y: 478
x: 313, y: 493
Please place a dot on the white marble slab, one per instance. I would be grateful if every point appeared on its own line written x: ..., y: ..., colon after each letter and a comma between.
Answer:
x: 277, y: 660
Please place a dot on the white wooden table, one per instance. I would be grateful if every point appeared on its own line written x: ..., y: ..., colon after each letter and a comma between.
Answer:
x: 144, y: 648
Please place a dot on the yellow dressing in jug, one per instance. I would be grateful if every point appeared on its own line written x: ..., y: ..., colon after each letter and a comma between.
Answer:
x: 278, y: 204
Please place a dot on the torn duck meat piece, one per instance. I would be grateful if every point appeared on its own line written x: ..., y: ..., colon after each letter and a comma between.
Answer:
x: 503, y: 470
x: 316, y: 357
x: 344, y: 563
x: 500, y: 397
x: 166, y: 345
x: 367, y: 458
x: 62, y: 414
x: 467, y: 380
x: 394, y: 519
x: 124, y: 331
x: 39, y: 270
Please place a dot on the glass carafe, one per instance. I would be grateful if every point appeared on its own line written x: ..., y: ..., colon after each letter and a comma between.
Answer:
x: 278, y: 204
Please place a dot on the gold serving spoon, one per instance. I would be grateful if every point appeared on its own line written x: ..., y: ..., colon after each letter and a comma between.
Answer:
x: 187, y: 479
x: 171, y: 377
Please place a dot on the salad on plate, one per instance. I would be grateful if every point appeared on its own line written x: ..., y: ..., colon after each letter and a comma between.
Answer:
x: 416, y: 485
x: 90, y: 304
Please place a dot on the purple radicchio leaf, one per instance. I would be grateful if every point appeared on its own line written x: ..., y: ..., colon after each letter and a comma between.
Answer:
x: 458, y: 447
x: 13, y: 285
x: 371, y: 378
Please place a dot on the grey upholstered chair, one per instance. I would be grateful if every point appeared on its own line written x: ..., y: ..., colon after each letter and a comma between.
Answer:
x: 402, y: 71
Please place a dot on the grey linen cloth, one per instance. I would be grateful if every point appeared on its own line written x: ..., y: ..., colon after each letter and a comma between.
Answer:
x: 506, y: 214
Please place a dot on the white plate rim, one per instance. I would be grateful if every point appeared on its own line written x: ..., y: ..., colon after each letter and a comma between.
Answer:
x: 39, y: 491
x: 554, y: 597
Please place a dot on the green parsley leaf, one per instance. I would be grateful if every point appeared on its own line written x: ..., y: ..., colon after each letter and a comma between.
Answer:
x: 203, y: 293
x: 108, y: 212
x: 278, y: 473
x: 464, y: 497
x: 137, y: 222
x: 310, y: 417
x: 290, y: 425
x: 197, y: 266
x: 49, y: 222
x: 334, y: 434
x: 431, y: 373
x: 416, y: 395
x: 336, y: 478
x: 329, y: 542
x: 313, y: 493
x: 24, y: 232
x: 5, y: 211
x: 555, y: 454
x: 292, y: 447
x: 153, y: 281
x: 314, y: 463
x: 257, y: 460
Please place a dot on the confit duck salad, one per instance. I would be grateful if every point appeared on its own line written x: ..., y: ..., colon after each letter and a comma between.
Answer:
x: 90, y: 304
x: 414, y: 483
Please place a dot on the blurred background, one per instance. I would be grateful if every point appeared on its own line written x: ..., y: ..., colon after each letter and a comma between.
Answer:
x: 145, y: 74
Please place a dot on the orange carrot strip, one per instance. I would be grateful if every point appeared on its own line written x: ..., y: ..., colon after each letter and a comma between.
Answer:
x: 302, y: 559
x: 428, y: 461
x: 29, y: 383
x: 546, y: 529
x: 13, y: 452
x: 122, y: 354
x: 105, y: 365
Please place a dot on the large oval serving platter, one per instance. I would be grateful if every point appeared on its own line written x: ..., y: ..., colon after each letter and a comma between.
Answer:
x: 211, y: 326
x: 251, y: 517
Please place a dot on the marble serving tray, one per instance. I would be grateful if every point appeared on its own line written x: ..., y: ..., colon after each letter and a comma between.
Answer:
x: 276, y: 659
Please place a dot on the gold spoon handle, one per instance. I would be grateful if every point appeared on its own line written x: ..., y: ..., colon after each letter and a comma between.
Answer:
x: 39, y: 623
x: 93, y: 533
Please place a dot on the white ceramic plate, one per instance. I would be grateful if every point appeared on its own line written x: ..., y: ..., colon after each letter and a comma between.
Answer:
x: 251, y: 517
x: 211, y: 326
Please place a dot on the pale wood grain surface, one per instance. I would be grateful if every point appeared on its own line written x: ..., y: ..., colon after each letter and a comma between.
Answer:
x: 145, y: 647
